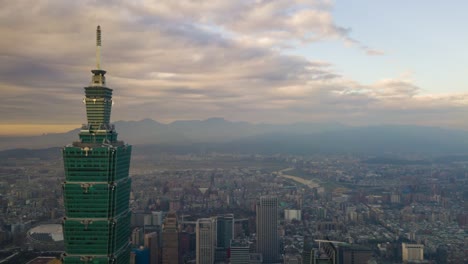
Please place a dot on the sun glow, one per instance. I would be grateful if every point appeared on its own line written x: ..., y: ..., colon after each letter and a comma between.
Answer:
x: 34, y: 129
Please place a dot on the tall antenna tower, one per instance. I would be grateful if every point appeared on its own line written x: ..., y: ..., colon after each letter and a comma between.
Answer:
x: 96, y: 190
x: 98, y: 47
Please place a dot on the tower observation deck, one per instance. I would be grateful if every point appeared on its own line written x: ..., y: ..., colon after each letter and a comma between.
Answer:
x: 96, y: 189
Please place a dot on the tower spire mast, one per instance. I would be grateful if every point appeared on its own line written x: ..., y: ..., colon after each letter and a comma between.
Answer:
x: 98, y: 47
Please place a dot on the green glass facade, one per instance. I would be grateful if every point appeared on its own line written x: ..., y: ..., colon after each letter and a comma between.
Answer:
x: 96, y: 190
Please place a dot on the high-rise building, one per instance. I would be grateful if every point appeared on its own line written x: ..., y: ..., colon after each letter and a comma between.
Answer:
x: 151, y: 242
x: 267, y: 229
x: 170, y: 236
x: 96, y: 190
x: 206, y: 240
x: 137, y: 237
x: 224, y: 230
x: 224, y: 235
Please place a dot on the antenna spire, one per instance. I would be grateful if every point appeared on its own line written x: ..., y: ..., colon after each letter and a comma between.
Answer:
x: 98, y: 47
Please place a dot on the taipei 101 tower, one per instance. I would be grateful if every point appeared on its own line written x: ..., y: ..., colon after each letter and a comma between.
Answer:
x: 96, y: 191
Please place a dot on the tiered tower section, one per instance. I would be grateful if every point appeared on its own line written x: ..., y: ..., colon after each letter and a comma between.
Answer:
x: 96, y: 190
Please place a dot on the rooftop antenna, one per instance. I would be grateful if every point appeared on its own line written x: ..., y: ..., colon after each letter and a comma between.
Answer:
x: 98, y: 47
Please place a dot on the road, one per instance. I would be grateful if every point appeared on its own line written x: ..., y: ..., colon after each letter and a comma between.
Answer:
x: 8, y: 258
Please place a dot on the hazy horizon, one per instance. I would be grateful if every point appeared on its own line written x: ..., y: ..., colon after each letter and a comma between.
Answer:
x: 20, y: 130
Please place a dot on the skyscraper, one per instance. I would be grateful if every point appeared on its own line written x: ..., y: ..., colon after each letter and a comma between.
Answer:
x: 224, y: 235
x: 224, y: 230
x: 96, y: 190
x: 170, y: 236
x: 267, y: 229
x: 206, y: 240
x: 151, y: 242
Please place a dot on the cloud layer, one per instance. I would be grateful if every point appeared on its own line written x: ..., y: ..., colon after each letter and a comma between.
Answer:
x: 187, y: 59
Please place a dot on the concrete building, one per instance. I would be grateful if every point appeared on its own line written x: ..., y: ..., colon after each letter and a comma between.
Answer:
x: 239, y: 252
x: 151, y: 242
x: 291, y: 214
x: 170, y: 237
x: 412, y: 252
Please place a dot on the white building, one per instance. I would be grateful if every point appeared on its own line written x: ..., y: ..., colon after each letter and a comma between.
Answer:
x: 290, y: 214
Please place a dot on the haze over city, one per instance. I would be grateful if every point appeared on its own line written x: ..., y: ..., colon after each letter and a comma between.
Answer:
x: 233, y: 132
x: 358, y: 63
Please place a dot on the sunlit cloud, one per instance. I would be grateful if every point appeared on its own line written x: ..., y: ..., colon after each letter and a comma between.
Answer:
x: 171, y: 60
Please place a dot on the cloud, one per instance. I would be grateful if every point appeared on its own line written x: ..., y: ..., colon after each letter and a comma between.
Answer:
x: 374, y: 52
x: 171, y: 60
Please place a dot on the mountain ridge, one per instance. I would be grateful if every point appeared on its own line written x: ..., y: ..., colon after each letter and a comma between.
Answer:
x: 301, y: 137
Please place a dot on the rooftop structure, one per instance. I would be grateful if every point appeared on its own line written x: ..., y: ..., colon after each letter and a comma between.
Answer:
x: 46, y: 237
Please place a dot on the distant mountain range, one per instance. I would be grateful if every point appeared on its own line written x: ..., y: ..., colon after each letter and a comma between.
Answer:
x: 218, y: 134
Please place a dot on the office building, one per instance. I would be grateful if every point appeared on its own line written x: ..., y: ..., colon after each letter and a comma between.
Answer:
x: 170, y: 236
x: 151, y: 243
x: 267, y: 229
x: 224, y: 235
x: 96, y: 190
x: 225, y: 230
x: 206, y: 240
x: 239, y: 252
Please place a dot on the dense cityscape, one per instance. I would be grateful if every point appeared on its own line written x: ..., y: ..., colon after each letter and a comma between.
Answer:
x: 369, y: 205
x: 230, y: 192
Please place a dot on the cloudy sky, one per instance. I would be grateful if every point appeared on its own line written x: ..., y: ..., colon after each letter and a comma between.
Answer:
x: 362, y: 62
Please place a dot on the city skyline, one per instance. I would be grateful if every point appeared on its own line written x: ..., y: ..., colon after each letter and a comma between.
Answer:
x: 256, y: 61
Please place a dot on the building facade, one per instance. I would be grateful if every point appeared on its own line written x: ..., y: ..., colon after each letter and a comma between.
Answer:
x: 412, y: 252
x: 224, y: 230
x: 170, y: 236
x: 267, y: 229
x: 240, y: 252
x: 96, y: 190
x: 151, y: 243
x: 206, y: 240
x: 224, y: 235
